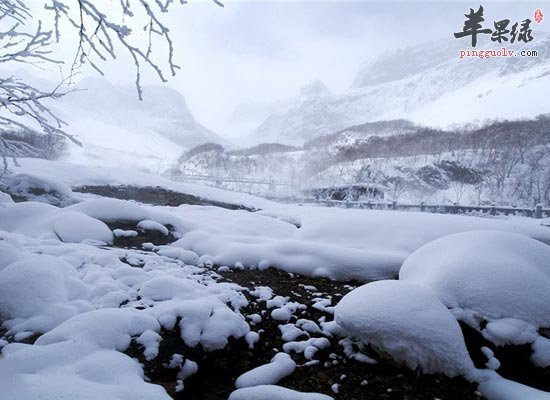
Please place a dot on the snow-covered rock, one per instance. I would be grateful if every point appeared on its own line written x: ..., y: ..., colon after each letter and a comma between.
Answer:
x: 38, y: 188
x: 494, y: 274
x: 407, y: 322
x: 281, y: 366
x: 264, y: 392
x: 44, y: 221
x: 541, y: 352
x: 497, y: 388
x: 509, y: 331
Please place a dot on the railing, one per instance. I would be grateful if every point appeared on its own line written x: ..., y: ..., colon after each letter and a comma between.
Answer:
x: 534, y: 212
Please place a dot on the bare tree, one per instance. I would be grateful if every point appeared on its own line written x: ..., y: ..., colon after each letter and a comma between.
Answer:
x: 103, y: 29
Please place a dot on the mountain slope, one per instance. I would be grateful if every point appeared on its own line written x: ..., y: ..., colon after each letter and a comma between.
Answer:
x: 428, y: 84
x: 118, y: 129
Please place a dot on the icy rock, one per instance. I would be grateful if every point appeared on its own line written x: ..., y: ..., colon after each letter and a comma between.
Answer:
x: 496, y: 274
x: 281, y: 366
x: 407, y: 322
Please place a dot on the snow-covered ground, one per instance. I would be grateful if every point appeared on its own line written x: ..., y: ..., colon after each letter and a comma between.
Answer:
x: 78, y: 293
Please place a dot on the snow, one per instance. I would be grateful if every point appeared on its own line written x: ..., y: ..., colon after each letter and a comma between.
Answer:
x: 281, y: 366
x: 92, y: 301
x: 9, y: 252
x: 264, y: 392
x: 342, y: 244
x: 493, y: 274
x: 72, y: 292
x: 407, y: 322
x: 79, y: 359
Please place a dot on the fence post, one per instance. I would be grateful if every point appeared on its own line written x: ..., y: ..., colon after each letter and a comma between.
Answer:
x: 538, y: 211
x: 394, y: 205
x: 493, y: 209
x: 422, y: 206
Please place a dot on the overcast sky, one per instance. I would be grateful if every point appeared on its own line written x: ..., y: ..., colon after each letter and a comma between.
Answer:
x: 262, y: 51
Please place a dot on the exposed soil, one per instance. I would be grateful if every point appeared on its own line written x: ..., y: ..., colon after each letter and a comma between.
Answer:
x: 157, y: 196
x: 218, y: 370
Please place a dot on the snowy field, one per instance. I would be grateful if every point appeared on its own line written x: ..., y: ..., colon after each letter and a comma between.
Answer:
x: 94, y: 289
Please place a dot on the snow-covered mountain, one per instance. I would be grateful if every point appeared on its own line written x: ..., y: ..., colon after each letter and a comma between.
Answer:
x: 429, y: 84
x: 116, y: 128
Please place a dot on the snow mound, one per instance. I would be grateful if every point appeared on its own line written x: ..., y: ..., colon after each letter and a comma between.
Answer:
x: 494, y: 274
x: 281, y: 366
x: 264, y: 392
x: 40, y: 288
x: 408, y: 323
x: 44, y: 221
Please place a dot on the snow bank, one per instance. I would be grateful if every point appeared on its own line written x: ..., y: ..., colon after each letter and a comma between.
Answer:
x: 44, y: 221
x: 341, y: 244
x: 407, y: 322
x: 494, y: 274
x: 281, y: 366
x: 264, y: 392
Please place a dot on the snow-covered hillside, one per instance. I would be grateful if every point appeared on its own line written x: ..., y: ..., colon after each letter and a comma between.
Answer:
x: 429, y: 84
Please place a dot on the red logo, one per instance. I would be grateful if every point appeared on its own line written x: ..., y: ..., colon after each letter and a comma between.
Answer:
x: 539, y: 16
